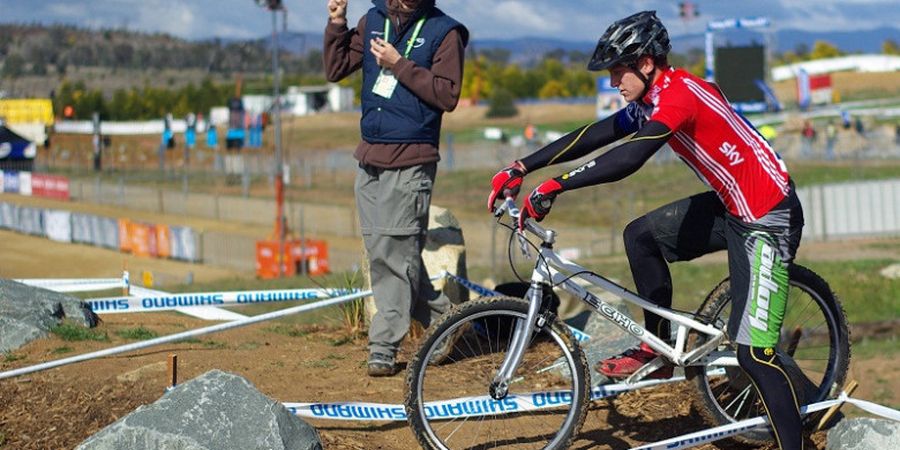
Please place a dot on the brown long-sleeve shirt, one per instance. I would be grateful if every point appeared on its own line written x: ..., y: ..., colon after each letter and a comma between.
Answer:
x: 439, y: 87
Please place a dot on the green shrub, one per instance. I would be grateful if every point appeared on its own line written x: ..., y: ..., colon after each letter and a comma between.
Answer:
x: 71, y: 332
x: 136, y: 334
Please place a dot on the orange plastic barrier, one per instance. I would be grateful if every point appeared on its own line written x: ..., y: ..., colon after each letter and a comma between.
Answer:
x: 124, y: 235
x: 309, y: 256
x: 163, y: 241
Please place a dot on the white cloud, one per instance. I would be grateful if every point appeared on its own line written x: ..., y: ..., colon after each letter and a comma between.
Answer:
x: 562, y: 19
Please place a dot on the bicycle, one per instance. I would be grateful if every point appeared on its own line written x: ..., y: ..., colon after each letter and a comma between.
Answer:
x: 516, y: 378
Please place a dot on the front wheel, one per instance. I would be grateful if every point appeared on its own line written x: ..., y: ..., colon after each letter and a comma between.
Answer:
x: 449, y: 404
x: 814, y: 347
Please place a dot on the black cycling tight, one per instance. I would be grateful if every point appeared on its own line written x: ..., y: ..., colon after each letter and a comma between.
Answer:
x: 651, y: 273
x: 778, y: 395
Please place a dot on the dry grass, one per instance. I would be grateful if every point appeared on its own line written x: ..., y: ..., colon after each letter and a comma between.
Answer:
x: 848, y: 85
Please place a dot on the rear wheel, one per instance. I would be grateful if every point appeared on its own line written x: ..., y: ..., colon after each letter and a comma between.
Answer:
x: 449, y: 405
x: 814, y: 347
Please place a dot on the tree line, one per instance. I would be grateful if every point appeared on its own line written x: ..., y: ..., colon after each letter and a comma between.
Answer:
x: 489, y: 75
x: 43, y: 49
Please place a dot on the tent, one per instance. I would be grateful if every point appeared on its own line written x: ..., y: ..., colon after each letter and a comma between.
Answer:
x: 16, y: 152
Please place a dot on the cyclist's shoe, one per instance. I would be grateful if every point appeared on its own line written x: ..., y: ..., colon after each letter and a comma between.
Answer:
x: 627, y: 363
x: 381, y: 365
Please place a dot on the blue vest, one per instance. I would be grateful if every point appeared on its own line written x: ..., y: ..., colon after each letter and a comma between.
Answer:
x: 403, y: 118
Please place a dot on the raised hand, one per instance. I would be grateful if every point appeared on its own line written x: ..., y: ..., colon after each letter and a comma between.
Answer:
x: 506, y: 183
x: 337, y: 11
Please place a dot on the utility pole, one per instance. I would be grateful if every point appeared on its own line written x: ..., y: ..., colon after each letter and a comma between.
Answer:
x: 280, y: 223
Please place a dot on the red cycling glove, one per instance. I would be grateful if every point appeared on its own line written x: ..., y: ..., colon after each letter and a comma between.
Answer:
x: 506, y: 182
x: 538, y: 204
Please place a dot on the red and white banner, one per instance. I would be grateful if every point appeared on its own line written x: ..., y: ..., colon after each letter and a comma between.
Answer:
x: 50, y: 186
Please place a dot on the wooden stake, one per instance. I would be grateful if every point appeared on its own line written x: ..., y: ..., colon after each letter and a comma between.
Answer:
x: 851, y: 386
x: 173, y: 370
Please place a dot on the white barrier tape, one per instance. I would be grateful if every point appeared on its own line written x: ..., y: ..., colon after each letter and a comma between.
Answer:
x: 732, y: 429
x: 876, y: 409
x: 461, y: 407
x: 156, y: 302
x: 73, y: 284
x: 579, y: 335
x: 184, y: 335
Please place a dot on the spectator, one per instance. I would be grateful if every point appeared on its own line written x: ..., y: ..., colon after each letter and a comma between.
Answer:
x: 404, y: 96
x: 808, y: 135
x: 845, y: 119
x: 830, y: 139
x: 769, y: 133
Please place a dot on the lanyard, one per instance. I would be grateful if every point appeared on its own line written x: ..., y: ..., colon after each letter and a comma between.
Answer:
x: 411, y: 41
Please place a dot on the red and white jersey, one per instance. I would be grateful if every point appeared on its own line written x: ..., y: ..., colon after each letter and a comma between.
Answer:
x: 725, y: 151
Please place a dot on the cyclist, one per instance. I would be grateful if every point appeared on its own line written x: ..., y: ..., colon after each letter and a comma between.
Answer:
x: 752, y: 210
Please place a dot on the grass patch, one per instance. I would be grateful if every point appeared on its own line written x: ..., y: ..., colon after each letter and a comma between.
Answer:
x: 136, y: 334
x: 871, y: 348
x: 72, y: 332
x: 337, y: 342
x: 214, y: 345
x: 12, y: 357
x: 289, y: 330
x: 249, y: 346
x: 318, y: 364
x: 62, y: 350
x: 207, y: 344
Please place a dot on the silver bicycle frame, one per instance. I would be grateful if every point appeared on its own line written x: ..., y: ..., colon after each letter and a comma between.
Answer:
x: 551, y: 268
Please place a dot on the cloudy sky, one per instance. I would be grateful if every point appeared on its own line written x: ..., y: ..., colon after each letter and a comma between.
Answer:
x: 575, y: 20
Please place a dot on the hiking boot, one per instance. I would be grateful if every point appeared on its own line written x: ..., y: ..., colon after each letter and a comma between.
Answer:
x: 627, y: 363
x: 381, y: 365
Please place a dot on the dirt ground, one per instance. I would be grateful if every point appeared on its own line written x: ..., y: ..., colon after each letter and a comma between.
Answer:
x: 61, y: 407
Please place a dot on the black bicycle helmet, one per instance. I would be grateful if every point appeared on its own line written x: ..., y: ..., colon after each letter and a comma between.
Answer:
x: 630, y: 38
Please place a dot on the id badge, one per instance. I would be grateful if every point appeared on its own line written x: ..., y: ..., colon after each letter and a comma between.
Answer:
x: 385, y: 84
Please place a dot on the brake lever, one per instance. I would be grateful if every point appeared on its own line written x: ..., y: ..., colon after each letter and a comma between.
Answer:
x: 514, y: 212
x: 524, y: 245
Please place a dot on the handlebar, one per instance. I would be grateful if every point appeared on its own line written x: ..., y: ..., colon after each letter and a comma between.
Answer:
x: 509, y: 205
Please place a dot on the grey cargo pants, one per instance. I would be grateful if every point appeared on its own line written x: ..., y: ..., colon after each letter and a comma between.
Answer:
x: 393, y: 215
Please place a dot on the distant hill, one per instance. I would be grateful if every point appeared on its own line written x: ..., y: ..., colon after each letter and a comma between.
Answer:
x: 866, y: 41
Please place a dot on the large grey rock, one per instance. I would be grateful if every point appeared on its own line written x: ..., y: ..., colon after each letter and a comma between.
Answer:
x: 891, y: 272
x: 445, y: 250
x: 216, y: 411
x: 28, y: 313
x: 607, y: 339
x: 864, y: 434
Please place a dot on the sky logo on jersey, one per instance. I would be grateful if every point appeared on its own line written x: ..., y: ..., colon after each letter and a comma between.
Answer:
x: 730, y: 151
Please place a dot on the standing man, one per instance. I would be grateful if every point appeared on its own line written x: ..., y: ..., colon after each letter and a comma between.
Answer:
x: 411, y: 55
x: 751, y: 209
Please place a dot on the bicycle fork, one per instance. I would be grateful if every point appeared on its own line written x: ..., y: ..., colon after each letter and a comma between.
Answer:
x: 522, y: 334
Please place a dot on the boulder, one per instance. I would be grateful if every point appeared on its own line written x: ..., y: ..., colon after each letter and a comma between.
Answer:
x: 445, y: 250
x: 607, y: 339
x: 891, y: 272
x: 28, y: 313
x: 863, y: 433
x: 216, y: 411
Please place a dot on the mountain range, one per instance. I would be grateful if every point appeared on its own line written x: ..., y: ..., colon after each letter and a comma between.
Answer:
x: 527, y: 48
